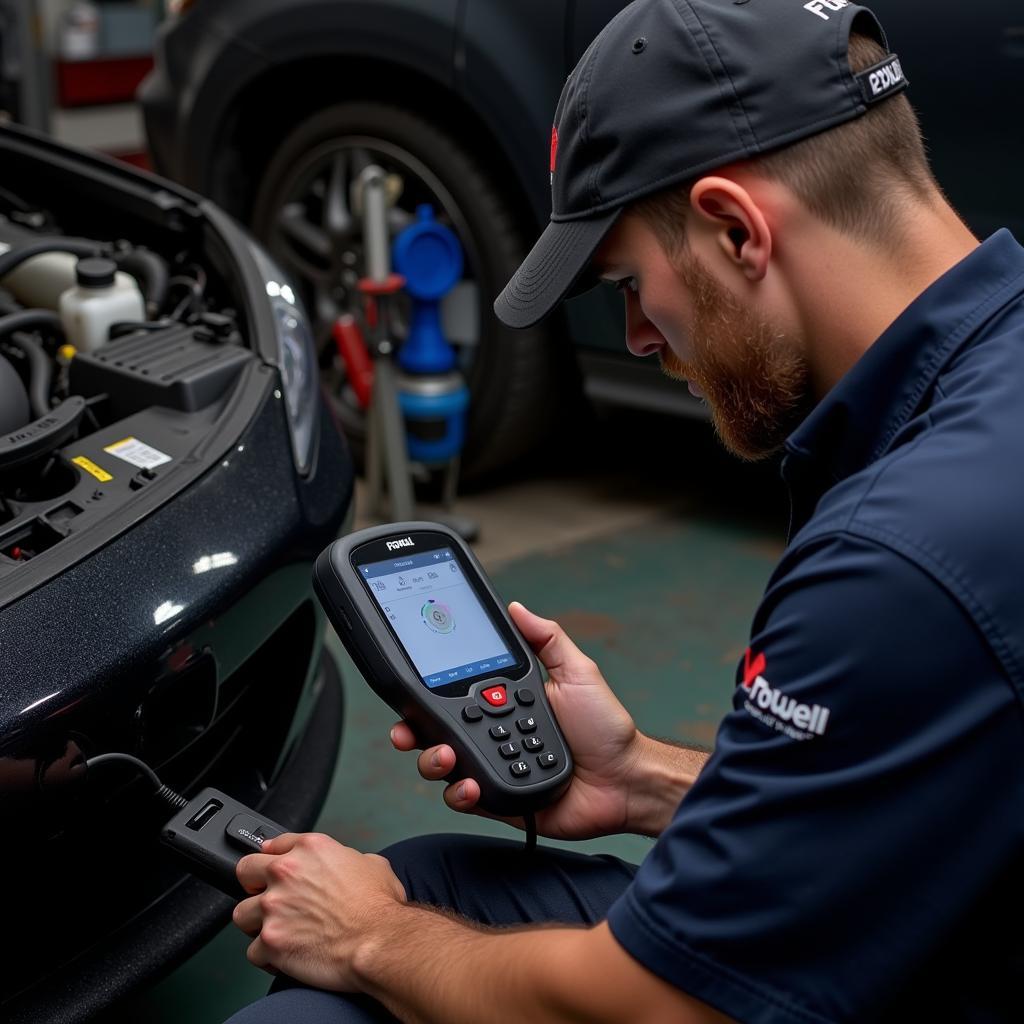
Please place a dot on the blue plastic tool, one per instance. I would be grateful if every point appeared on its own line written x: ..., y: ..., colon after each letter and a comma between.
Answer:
x: 433, y: 396
x: 428, y: 255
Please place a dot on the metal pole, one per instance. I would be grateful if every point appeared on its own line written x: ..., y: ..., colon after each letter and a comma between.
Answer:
x: 387, y: 427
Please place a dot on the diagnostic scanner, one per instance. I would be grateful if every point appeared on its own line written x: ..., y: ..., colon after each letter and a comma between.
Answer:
x: 213, y: 832
x: 427, y: 630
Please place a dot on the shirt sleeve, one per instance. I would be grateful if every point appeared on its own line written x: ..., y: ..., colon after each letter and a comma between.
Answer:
x: 845, y: 823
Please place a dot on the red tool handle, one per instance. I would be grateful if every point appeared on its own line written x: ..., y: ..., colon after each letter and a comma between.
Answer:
x: 354, y: 353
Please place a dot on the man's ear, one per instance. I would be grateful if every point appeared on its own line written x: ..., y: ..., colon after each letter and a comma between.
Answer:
x: 732, y: 218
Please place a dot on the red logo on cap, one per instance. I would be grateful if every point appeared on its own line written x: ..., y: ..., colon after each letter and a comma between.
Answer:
x: 554, y: 148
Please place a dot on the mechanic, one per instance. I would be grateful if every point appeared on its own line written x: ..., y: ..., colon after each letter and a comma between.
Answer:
x: 851, y: 850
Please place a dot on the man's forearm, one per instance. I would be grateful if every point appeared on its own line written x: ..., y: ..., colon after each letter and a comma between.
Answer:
x: 427, y: 967
x: 661, y: 778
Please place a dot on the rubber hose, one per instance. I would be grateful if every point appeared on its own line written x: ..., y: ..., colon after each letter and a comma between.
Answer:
x: 150, y: 270
x: 14, y: 407
x: 76, y: 246
x: 40, y: 367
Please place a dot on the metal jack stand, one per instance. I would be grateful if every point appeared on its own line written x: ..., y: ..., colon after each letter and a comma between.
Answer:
x: 387, y: 452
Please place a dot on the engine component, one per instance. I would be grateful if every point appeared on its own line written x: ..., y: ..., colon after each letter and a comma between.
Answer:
x: 39, y: 282
x: 102, y: 297
x: 14, y: 412
x: 40, y: 368
x: 36, y: 440
x: 37, y: 270
x: 166, y: 366
x: 150, y: 270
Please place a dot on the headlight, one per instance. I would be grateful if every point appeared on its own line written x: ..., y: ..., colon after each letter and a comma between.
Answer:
x: 298, y: 364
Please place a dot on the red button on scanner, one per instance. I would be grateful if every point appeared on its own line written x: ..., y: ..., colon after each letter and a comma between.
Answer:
x: 495, y: 696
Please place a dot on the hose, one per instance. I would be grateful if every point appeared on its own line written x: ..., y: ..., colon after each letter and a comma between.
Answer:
x: 76, y: 246
x: 40, y: 367
x: 150, y: 270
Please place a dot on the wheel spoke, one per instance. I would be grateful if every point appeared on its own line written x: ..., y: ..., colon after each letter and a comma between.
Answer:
x: 297, y: 229
x: 337, y: 217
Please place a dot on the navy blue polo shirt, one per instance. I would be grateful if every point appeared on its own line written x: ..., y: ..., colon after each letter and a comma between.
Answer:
x: 853, y: 849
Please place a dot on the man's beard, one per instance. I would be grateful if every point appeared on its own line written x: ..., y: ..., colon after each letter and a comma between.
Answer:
x: 753, y: 374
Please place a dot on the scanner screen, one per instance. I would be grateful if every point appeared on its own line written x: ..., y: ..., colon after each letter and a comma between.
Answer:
x: 437, y: 617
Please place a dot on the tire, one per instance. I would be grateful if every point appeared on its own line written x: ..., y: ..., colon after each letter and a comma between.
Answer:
x: 513, y: 376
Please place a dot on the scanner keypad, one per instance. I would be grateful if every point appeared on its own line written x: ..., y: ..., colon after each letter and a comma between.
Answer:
x: 528, y: 730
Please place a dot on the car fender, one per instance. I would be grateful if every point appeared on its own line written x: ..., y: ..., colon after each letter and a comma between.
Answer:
x: 233, y: 42
x: 510, y: 66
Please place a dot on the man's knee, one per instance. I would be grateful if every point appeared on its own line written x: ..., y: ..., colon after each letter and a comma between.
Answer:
x: 424, y: 862
x: 311, y: 1006
x: 408, y: 853
x: 439, y: 869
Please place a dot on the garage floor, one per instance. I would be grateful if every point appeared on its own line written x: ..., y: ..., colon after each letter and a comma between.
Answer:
x: 650, y: 546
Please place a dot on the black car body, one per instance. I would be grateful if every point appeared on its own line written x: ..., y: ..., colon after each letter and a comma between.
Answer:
x: 235, y: 77
x: 168, y: 613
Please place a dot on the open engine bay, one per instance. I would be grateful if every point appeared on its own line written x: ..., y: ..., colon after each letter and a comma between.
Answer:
x: 123, y: 337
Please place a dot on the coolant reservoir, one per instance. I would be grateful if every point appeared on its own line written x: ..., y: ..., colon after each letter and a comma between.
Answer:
x: 102, y: 297
x: 39, y: 282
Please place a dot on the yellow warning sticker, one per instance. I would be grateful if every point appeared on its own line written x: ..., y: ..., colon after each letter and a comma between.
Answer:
x: 90, y: 467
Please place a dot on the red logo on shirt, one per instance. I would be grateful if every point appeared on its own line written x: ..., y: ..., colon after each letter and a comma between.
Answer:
x: 773, y: 708
x: 753, y: 667
x: 554, y: 150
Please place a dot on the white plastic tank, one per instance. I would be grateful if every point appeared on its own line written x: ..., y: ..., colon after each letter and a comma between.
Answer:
x: 103, y: 296
x: 39, y: 282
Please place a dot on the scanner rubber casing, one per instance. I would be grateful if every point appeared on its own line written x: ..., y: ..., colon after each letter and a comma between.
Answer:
x: 373, y: 647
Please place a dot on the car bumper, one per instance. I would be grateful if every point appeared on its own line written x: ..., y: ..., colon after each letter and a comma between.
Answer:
x: 190, y: 913
x: 219, y: 693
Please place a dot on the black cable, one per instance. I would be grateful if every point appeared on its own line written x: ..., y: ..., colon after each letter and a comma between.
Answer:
x: 40, y: 367
x: 530, y: 824
x: 30, y: 320
x: 175, y: 800
x: 187, y: 304
x: 76, y: 246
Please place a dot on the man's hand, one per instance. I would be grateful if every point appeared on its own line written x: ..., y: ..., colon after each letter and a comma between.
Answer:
x: 606, y: 745
x: 317, y: 901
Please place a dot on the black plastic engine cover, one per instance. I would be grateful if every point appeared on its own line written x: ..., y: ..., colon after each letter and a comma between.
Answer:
x: 168, y: 367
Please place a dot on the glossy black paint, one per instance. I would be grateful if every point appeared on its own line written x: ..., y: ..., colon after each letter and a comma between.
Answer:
x: 136, y: 640
x: 495, y: 68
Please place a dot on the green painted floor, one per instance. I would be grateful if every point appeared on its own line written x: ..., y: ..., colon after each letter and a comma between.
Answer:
x: 665, y: 611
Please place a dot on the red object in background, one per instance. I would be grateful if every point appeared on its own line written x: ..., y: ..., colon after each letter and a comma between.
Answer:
x: 140, y: 160
x: 392, y: 286
x: 356, y: 357
x: 81, y: 83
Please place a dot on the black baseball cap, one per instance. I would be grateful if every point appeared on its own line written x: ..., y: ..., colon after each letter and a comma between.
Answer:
x: 672, y: 89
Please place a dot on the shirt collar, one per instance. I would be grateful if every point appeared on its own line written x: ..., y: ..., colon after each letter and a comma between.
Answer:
x: 857, y: 420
